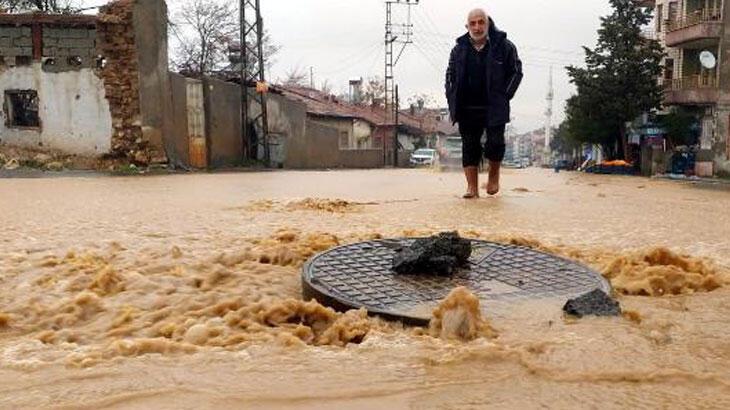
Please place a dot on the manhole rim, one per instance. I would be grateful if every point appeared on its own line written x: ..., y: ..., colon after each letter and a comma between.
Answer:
x: 312, y: 290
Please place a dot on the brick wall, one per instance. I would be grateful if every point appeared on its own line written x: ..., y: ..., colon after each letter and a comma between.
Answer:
x: 66, y: 49
x: 15, y: 42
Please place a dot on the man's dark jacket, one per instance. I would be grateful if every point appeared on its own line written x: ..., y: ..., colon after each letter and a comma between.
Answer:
x: 504, y: 74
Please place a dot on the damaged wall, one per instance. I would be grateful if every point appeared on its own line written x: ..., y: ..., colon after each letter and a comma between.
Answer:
x: 74, y: 114
x: 100, y: 89
x: 57, y: 64
x: 121, y: 73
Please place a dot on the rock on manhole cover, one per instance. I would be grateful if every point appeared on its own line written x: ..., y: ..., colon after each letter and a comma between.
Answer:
x: 359, y: 275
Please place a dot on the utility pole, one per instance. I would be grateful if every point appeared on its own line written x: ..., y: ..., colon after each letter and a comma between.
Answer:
x: 395, y: 132
x: 254, y: 116
x: 395, y: 33
x: 549, y: 120
x: 311, y: 77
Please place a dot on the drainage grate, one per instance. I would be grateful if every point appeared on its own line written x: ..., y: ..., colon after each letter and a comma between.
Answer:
x: 359, y: 275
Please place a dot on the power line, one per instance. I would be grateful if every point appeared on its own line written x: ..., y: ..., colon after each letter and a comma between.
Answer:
x: 354, y: 59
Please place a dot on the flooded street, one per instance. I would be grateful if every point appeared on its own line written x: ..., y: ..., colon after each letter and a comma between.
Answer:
x: 183, y: 291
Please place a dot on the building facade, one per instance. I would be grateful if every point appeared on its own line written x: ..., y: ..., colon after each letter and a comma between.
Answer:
x: 696, y: 38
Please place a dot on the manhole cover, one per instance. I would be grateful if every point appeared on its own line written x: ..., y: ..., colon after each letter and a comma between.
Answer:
x: 359, y: 275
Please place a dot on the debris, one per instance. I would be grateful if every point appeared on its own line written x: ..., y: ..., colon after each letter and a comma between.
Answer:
x: 42, y: 158
x: 12, y: 164
x: 54, y: 166
x: 596, y: 303
x: 440, y: 255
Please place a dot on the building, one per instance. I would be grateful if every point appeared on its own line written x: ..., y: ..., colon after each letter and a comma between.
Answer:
x: 696, y: 37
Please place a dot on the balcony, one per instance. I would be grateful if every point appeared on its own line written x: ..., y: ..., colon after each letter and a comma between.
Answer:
x: 649, y: 34
x: 695, y: 30
x: 699, y: 89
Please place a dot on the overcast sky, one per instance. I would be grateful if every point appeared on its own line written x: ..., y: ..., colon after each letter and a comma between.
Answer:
x: 343, y: 39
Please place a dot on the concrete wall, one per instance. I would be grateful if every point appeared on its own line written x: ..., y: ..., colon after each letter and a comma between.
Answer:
x: 318, y: 149
x: 74, y: 114
x: 344, y: 127
x: 721, y: 140
x: 287, y: 124
x: 361, y: 135
x: 177, y: 141
x: 223, y: 123
x: 361, y: 158
x: 150, y: 32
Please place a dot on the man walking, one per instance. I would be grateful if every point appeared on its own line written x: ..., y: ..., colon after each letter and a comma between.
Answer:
x: 483, y: 75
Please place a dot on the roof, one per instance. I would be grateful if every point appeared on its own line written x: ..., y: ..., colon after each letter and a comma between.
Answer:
x: 322, y: 104
x: 67, y: 20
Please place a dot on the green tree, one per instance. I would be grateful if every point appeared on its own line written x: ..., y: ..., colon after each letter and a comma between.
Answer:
x: 619, y: 81
x: 563, y: 141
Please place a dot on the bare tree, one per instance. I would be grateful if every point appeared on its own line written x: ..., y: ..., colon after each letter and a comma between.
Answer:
x: 421, y: 101
x: 269, y: 50
x: 297, y: 76
x: 45, y: 6
x: 204, y: 30
x: 326, y: 87
x: 208, y: 37
x: 374, y: 91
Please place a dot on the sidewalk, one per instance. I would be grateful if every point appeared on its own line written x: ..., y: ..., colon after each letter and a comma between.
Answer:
x: 714, y: 182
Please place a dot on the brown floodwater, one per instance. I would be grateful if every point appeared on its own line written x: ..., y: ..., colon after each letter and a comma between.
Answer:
x: 183, y: 291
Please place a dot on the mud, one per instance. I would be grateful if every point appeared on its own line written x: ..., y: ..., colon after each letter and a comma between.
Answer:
x: 167, y: 292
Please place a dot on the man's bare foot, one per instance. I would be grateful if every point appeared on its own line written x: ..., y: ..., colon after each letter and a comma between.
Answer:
x: 471, y: 195
x: 492, y: 185
x: 491, y: 189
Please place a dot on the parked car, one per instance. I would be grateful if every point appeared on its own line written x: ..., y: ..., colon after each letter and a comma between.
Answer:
x: 423, y: 157
x: 515, y: 163
x: 562, y: 164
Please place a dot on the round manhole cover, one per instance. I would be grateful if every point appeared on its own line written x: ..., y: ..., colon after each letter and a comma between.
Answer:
x: 360, y: 275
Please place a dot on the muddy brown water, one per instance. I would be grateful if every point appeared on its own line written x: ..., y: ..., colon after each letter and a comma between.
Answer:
x: 183, y: 291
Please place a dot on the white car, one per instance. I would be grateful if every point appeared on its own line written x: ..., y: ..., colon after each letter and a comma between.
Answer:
x: 423, y: 157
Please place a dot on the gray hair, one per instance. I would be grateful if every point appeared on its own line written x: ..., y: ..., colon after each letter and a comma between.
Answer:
x: 477, y: 11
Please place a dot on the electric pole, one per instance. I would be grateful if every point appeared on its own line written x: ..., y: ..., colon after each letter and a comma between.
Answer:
x: 400, y: 33
x: 549, y: 120
x: 254, y: 118
x: 395, y: 137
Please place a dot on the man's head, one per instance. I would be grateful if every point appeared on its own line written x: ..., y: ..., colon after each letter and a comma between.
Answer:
x: 478, y: 24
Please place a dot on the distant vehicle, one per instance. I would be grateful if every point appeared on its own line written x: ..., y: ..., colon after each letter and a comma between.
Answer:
x: 515, y: 163
x: 423, y: 157
x: 562, y: 164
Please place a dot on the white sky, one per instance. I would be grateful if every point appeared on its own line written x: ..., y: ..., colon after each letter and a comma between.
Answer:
x: 343, y: 39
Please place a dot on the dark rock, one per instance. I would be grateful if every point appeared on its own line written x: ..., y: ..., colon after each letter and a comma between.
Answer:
x: 442, y: 254
x: 596, y: 303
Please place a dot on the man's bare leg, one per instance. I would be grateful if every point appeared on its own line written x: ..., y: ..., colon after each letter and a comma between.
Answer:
x: 472, y: 182
x: 492, y: 185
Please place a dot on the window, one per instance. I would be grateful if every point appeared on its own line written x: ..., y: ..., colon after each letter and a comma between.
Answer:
x: 21, y: 108
x: 659, y: 17
x: 23, y: 60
